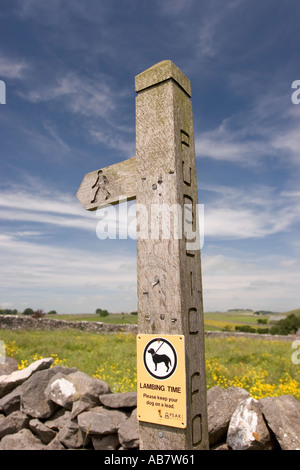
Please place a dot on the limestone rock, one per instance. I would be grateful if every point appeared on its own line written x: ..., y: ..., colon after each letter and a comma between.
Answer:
x: 9, y: 366
x: 13, y: 423
x: 222, y: 446
x: 12, y: 401
x: 71, y: 436
x: 22, y: 440
x: 119, y: 400
x: 129, y: 432
x: 44, y: 433
x: 109, y: 442
x: 34, y: 400
x: 283, y: 417
x: 65, y: 390
x: 78, y: 407
x: 101, y: 421
x: 11, y: 381
x: 247, y: 429
x: 41, y: 413
x: 58, y: 420
x: 213, y: 394
x: 220, y: 407
x: 55, y: 444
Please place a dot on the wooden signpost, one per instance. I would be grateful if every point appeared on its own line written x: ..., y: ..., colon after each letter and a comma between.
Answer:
x: 171, y: 382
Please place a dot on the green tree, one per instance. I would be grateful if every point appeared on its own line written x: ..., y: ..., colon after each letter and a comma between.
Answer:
x: 102, y: 313
x: 262, y: 331
x: 8, y: 311
x: 262, y: 321
x: 245, y: 329
x: 28, y: 311
x: 288, y: 325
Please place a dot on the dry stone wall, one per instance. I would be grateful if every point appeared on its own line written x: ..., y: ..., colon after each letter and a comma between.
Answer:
x: 13, y: 322
x: 58, y: 408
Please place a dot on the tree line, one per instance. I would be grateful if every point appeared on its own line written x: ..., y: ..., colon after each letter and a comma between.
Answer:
x: 286, y: 326
x: 28, y: 311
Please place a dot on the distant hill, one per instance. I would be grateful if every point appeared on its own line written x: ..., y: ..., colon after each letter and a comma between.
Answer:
x: 240, y: 310
x: 296, y: 311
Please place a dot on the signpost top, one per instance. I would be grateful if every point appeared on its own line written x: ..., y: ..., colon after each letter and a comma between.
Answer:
x: 159, y: 73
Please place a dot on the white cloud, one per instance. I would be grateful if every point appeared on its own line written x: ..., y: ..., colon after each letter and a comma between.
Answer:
x: 289, y: 262
x: 32, y: 269
x: 249, y: 212
x: 37, y: 206
x: 36, y: 200
x: 243, y: 279
x: 224, y: 144
x: 50, y: 128
x: 82, y: 95
x: 63, y: 278
x: 57, y: 275
x: 266, y: 123
x: 289, y: 141
x: 44, y: 265
x: 263, y: 282
x: 12, y: 68
x: 231, y: 213
x: 114, y: 142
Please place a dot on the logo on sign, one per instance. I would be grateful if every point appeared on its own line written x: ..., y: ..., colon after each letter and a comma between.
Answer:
x: 160, y: 358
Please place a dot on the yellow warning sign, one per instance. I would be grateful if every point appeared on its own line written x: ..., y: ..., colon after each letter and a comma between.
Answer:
x: 161, y: 394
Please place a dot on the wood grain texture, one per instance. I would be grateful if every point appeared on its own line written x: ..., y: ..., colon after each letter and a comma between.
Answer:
x: 169, y: 273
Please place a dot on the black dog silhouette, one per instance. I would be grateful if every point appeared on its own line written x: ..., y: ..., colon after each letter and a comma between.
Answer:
x: 157, y: 358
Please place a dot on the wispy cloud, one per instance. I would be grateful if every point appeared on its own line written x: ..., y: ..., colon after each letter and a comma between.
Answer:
x: 37, y: 206
x: 262, y: 282
x: 47, y: 266
x: 255, y: 211
x: 64, y: 278
x: 51, y: 129
x: 251, y: 212
x: 60, y: 275
x: 268, y: 127
x: 113, y: 141
x: 222, y: 143
x: 12, y: 68
x: 231, y: 281
x: 81, y: 95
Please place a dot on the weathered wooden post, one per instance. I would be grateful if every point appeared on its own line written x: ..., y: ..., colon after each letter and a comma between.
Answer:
x: 171, y: 381
x: 169, y: 273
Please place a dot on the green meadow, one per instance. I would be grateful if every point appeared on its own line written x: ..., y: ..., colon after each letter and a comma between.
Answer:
x: 264, y: 368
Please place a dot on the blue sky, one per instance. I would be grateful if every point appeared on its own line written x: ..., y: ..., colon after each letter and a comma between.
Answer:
x: 69, y: 69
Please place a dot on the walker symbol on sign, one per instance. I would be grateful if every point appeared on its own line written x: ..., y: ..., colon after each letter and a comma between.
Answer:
x: 160, y: 366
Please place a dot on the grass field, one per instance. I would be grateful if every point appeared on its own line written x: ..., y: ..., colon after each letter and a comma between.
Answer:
x: 264, y: 368
x: 115, y: 318
x: 212, y: 321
